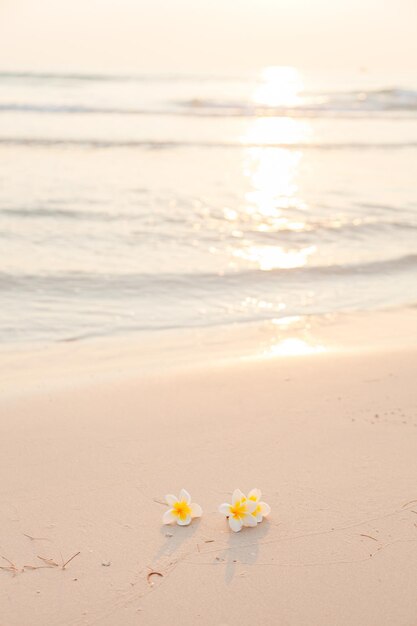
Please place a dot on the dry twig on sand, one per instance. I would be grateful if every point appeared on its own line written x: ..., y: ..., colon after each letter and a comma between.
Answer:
x: 369, y: 536
x: 52, y: 563
x: 11, y: 567
x: 47, y: 563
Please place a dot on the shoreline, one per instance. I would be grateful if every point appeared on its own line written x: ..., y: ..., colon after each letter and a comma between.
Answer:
x: 72, y: 363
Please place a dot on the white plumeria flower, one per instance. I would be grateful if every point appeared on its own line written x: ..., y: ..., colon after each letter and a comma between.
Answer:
x: 239, y: 513
x: 181, y: 510
x: 262, y: 508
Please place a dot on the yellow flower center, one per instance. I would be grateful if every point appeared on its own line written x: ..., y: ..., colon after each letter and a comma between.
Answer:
x: 238, y: 510
x: 258, y: 508
x: 181, y: 510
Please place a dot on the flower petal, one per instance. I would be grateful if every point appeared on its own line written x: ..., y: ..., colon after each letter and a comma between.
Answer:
x: 255, y: 494
x: 170, y: 499
x: 250, y: 506
x: 265, y: 508
x: 184, y: 496
x: 168, y: 517
x: 225, y: 509
x: 237, y: 495
x: 185, y: 521
x: 258, y: 518
x: 249, y: 520
x: 196, y: 510
x: 235, y: 524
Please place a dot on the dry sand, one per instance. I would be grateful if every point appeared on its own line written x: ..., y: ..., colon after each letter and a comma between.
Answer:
x: 331, y: 441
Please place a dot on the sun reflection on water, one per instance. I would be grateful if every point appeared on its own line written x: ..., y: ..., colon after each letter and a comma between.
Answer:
x: 273, y: 173
x: 293, y: 346
x: 276, y: 131
x: 280, y: 86
x: 275, y: 257
x: 296, y: 338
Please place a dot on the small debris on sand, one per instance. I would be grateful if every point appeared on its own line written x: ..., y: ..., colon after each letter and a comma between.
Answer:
x: 148, y: 578
x: 368, y: 536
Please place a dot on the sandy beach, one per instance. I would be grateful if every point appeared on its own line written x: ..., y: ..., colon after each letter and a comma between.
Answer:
x: 208, y: 262
x: 329, y: 438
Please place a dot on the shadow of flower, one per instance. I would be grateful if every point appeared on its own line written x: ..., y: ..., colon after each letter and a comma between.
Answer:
x: 175, y: 536
x: 243, y: 548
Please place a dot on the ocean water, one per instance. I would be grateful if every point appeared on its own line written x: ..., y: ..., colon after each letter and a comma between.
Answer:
x: 136, y: 203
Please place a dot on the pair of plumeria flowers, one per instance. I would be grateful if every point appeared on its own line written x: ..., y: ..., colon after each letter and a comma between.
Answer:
x: 244, y: 510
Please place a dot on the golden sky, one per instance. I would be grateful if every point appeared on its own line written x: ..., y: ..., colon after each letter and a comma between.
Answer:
x: 207, y: 35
